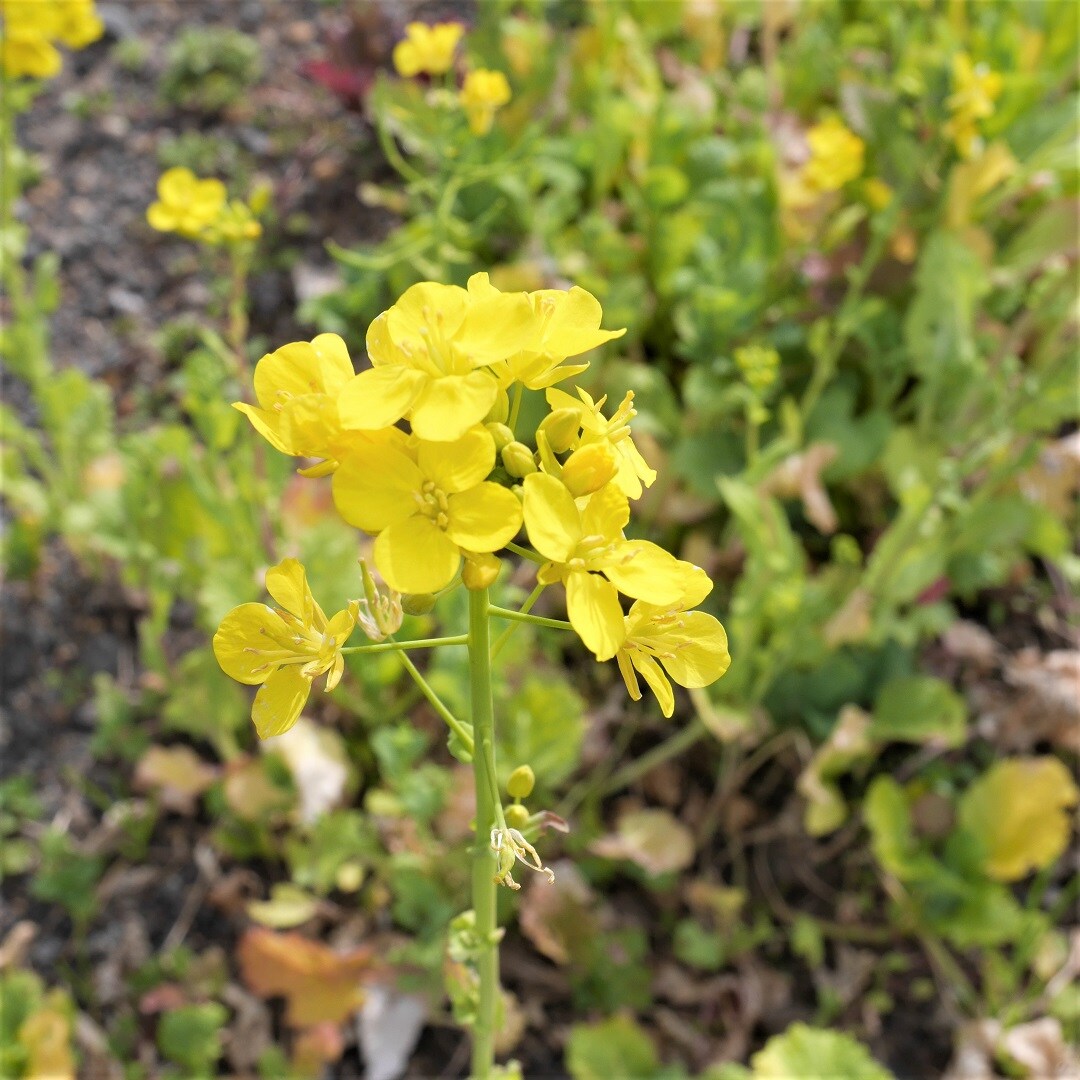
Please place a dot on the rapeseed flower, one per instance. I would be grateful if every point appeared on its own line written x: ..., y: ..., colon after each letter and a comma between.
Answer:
x: 186, y: 205
x: 589, y: 555
x: 31, y: 27
x: 565, y: 323
x: 836, y: 156
x: 431, y: 355
x: 672, y: 643
x: 427, y: 50
x: 975, y: 89
x: 428, y: 504
x: 482, y: 95
x: 283, y: 648
x: 633, y: 472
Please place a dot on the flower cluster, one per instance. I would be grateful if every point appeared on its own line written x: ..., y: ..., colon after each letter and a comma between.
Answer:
x: 429, y: 50
x: 975, y: 89
x: 201, y: 210
x: 443, y: 497
x: 31, y: 29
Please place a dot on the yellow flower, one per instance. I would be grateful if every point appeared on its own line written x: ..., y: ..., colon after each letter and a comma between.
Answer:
x: 427, y: 50
x: 283, y: 648
x: 428, y: 506
x: 297, y: 388
x: 431, y: 352
x: 877, y: 193
x: 836, y: 156
x: 565, y: 323
x: 633, y: 471
x: 234, y: 223
x: 482, y: 95
x: 588, y: 553
x: 673, y: 643
x: 31, y: 26
x: 975, y: 89
x: 186, y: 205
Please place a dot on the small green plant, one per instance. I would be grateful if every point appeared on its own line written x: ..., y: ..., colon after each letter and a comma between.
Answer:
x: 210, y: 68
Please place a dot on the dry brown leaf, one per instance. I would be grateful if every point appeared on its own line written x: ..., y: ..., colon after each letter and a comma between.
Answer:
x: 316, y: 1048
x: 319, y: 763
x: 559, y: 918
x: 1040, y: 1047
x: 177, y: 774
x: 317, y: 983
x: 251, y: 794
x: 46, y: 1037
x: 653, y: 839
x: 800, y: 476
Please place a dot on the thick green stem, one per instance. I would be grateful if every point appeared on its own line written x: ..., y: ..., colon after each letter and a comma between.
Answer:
x: 487, y: 812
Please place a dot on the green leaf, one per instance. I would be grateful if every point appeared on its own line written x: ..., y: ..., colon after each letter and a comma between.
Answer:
x: 919, y: 709
x: 544, y: 728
x: 617, y: 1047
x: 806, y: 1053
x: 888, y: 817
x: 191, y: 1036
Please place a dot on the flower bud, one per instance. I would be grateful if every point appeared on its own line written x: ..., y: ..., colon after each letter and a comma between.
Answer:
x: 502, y: 435
x: 480, y: 571
x: 517, y: 816
x: 589, y: 468
x: 417, y: 603
x: 521, y: 782
x: 561, y: 428
x: 518, y: 460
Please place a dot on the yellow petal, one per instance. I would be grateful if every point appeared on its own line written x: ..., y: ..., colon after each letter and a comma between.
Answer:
x: 626, y: 669
x: 448, y: 406
x: 461, y: 464
x: 484, y: 518
x: 551, y: 517
x: 280, y: 701
x: 287, y: 584
x: 652, y: 673
x: 647, y: 572
x: 697, y: 652
x: 409, y: 322
x: 334, y: 364
x: 495, y: 327
x: 416, y: 556
x: 161, y: 217
x: 379, y: 397
x: 176, y: 185
x: 574, y: 325
x: 247, y: 641
x: 266, y: 423
x: 374, y: 487
x: 592, y: 605
x: 606, y: 513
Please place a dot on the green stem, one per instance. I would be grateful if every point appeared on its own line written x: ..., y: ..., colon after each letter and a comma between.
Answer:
x: 504, y: 637
x: 487, y: 810
x: 452, y: 722
x: 526, y: 553
x: 398, y: 646
x: 515, y: 407
x: 524, y: 616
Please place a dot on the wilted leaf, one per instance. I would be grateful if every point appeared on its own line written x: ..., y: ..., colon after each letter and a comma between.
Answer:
x: 389, y: 1025
x: 177, y: 774
x: 847, y: 744
x: 560, y: 918
x: 46, y: 1037
x: 611, y: 1048
x: 545, y: 726
x: 287, y: 907
x: 799, y: 476
x: 653, y: 839
x: 318, y: 761
x: 806, y: 1053
x: 317, y: 1047
x: 1018, y: 811
x: 919, y: 709
x: 1041, y: 1048
x: 251, y: 794
x: 317, y: 983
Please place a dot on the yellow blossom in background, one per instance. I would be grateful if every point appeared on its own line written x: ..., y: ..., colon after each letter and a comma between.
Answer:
x: 284, y: 648
x: 589, y: 555
x: 29, y: 30
x: 235, y: 223
x: 432, y: 352
x: 427, y: 50
x: 673, y: 643
x: 633, y: 470
x: 877, y: 193
x: 975, y: 89
x: 482, y: 95
x: 428, y: 507
x: 186, y: 204
x: 836, y: 156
